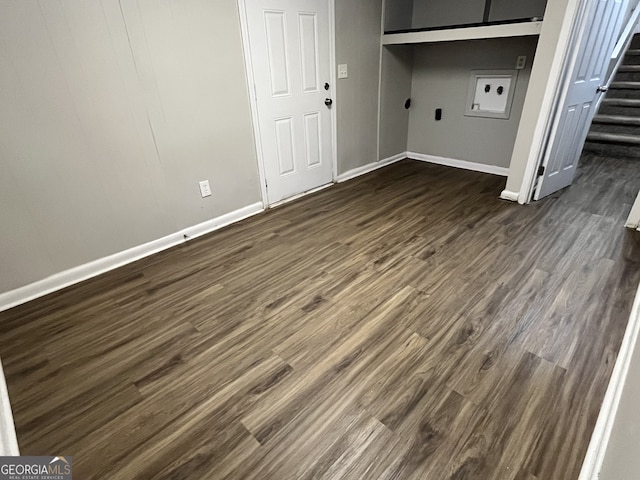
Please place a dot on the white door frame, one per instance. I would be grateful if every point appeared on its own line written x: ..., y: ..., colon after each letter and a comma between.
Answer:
x: 542, y: 97
x: 571, y: 38
x: 580, y: 30
x: 251, y: 90
x: 634, y: 215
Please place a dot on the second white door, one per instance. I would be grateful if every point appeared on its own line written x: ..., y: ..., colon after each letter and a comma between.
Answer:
x: 289, y: 49
x: 596, y: 41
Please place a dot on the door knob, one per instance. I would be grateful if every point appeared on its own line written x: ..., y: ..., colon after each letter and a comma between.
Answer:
x: 328, y: 102
x: 602, y: 89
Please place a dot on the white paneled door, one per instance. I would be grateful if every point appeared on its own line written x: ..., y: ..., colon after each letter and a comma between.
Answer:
x: 289, y: 49
x: 596, y: 41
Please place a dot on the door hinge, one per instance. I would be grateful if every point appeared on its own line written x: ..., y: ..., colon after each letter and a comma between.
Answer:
x: 541, y: 170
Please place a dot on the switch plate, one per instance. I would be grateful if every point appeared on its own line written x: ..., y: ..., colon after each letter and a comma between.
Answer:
x: 205, y: 189
x: 521, y: 62
x: 343, y: 71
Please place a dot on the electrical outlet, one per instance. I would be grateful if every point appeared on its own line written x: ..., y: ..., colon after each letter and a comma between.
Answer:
x: 205, y: 189
x: 343, y: 71
x: 521, y: 62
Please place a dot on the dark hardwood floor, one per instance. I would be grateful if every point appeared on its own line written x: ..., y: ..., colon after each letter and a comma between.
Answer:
x: 404, y: 325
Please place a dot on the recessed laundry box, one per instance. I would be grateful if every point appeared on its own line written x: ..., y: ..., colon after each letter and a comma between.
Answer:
x: 490, y: 93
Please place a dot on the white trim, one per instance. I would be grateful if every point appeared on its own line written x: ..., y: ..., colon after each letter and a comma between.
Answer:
x: 253, y: 99
x: 300, y: 195
x: 509, y: 195
x: 602, y: 432
x: 625, y: 38
x: 633, y: 221
x: 8, y: 440
x: 334, y: 87
x: 80, y: 273
x: 356, y: 172
x: 379, y: 119
x: 465, y: 33
x: 451, y: 162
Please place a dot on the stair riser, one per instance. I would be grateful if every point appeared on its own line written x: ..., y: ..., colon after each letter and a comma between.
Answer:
x: 614, y: 138
x: 617, y: 120
x: 612, y: 128
x: 612, y: 150
x: 627, y: 77
x: 635, y: 42
x: 623, y: 93
x: 617, y: 110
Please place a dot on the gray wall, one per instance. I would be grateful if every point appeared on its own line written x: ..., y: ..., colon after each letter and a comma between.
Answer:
x: 434, y: 13
x: 358, y: 31
x: 111, y: 116
x: 510, y: 9
x: 398, y: 15
x: 109, y: 119
x: 397, y: 69
x: 441, y: 79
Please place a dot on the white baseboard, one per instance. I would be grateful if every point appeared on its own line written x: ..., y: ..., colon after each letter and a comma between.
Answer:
x: 509, y: 195
x: 451, y: 162
x: 80, y: 273
x: 634, y: 215
x: 594, y: 458
x: 356, y: 172
x: 8, y: 439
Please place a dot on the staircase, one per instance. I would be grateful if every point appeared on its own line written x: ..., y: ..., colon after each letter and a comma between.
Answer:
x: 615, y: 130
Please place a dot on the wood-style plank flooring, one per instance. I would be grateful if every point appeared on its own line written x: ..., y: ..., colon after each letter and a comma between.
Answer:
x: 404, y: 325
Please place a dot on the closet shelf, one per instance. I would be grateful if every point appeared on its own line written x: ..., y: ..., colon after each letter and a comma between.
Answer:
x: 520, y: 29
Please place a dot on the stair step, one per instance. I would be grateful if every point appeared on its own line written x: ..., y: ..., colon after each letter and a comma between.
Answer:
x: 619, y: 93
x: 629, y: 68
x: 633, y: 76
x: 617, y: 119
x: 612, y: 150
x: 615, y: 128
x: 625, y: 85
x: 616, y: 138
x: 633, y: 52
x: 621, y: 102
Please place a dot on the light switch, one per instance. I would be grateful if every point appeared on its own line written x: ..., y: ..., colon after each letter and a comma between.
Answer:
x: 521, y: 63
x: 342, y: 71
x: 205, y: 188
